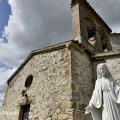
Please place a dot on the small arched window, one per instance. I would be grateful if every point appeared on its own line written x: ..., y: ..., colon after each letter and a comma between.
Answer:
x: 29, y: 81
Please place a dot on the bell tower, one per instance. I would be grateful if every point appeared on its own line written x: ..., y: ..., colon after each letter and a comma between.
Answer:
x: 88, y: 27
x: 78, y: 21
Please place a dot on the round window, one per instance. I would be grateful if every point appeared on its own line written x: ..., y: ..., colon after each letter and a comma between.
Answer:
x: 29, y: 81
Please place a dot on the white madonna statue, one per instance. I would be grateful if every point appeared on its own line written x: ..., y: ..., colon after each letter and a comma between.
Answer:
x: 105, y: 101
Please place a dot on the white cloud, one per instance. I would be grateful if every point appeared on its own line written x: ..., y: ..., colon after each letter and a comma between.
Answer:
x: 38, y: 23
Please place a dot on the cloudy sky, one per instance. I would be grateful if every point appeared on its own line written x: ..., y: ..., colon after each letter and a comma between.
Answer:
x: 30, y: 24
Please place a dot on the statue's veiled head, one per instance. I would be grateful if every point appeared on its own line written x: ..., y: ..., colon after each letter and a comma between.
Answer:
x: 102, y: 71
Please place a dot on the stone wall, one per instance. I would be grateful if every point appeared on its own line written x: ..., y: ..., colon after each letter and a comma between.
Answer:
x: 113, y: 64
x: 50, y: 93
x: 112, y: 59
x: 115, y: 41
x: 82, y: 84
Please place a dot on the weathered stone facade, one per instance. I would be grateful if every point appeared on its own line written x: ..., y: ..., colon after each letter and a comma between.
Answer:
x: 58, y: 88
x: 115, y: 41
x: 50, y: 93
x: 82, y: 84
x: 112, y: 59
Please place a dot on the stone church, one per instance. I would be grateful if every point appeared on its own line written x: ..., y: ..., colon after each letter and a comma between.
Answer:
x: 56, y: 83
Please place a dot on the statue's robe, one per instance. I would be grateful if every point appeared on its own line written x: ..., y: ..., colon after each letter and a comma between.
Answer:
x: 105, y: 100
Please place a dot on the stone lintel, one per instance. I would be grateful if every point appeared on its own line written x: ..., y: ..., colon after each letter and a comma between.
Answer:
x: 106, y: 55
x: 115, y: 34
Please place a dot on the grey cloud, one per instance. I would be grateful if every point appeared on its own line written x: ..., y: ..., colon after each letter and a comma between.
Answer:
x: 44, y: 22
x: 109, y: 11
